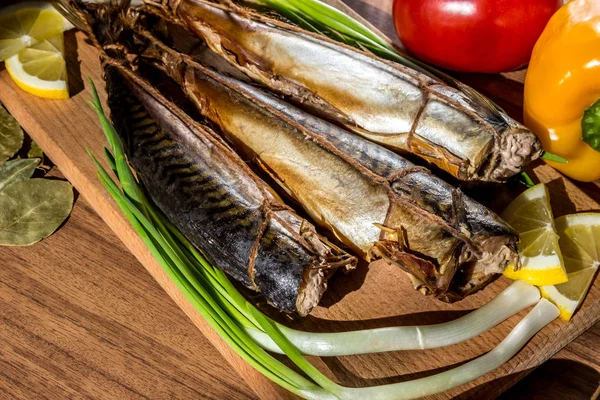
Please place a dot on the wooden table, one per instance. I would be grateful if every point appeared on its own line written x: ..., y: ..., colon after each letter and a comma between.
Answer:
x: 81, y: 318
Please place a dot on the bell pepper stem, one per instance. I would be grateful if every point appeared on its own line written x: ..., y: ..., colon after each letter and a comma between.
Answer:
x: 590, y: 126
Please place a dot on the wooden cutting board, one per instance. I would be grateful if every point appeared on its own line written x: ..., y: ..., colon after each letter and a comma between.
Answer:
x: 371, y: 297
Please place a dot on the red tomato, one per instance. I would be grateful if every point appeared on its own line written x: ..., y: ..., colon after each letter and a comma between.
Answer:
x: 472, y: 35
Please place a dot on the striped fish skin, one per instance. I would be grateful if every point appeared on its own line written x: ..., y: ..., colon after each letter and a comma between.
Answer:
x: 390, y: 104
x: 299, y: 151
x: 218, y: 204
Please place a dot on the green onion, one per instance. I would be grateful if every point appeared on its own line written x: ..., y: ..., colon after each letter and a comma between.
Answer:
x: 243, y: 327
x: 519, y: 296
x: 540, y: 316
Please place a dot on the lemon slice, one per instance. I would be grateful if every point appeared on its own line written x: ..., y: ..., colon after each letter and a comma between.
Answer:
x: 541, y: 259
x: 580, y: 245
x: 41, y: 69
x: 24, y: 24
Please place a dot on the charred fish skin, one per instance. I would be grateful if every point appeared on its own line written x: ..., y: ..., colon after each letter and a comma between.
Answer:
x: 202, y: 186
x: 362, y: 208
x: 211, y: 197
x: 390, y: 104
x: 193, y: 197
x: 412, y: 182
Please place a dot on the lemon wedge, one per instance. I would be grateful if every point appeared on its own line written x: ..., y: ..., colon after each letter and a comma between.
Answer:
x: 580, y: 245
x: 541, y: 259
x: 41, y: 69
x: 25, y: 24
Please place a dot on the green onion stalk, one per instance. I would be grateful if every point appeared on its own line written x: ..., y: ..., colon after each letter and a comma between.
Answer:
x: 249, y: 332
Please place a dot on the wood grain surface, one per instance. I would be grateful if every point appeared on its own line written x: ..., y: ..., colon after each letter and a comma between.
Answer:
x: 65, y: 128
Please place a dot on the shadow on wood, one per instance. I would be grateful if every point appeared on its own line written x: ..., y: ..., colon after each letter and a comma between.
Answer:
x: 342, y: 284
x: 592, y: 189
x: 506, y: 92
x: 561, y: 203
x: 557, y: 378
x: 74, y: 79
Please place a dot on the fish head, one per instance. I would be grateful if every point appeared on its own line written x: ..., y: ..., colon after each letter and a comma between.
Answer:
x: 518, y: 147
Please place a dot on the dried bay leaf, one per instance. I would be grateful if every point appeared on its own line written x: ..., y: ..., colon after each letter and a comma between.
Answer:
x: 32, y: 209
x: 35, y: 151
x: 11, y: 135
x: 17, y: 170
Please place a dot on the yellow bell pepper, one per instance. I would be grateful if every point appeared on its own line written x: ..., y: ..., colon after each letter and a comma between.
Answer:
x: 563, y: 84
